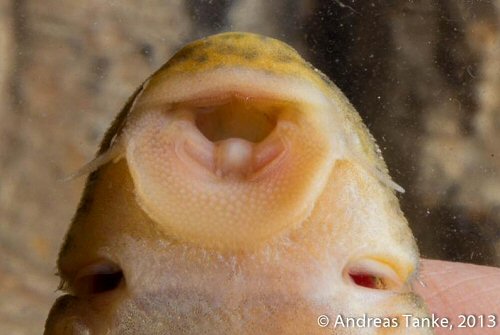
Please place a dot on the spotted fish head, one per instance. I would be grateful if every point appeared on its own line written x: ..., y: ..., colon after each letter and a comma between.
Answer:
x: 238, y: 192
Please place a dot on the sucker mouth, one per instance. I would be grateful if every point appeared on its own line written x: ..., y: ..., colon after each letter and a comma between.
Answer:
x: 229, y: 170
x: 234, y: 137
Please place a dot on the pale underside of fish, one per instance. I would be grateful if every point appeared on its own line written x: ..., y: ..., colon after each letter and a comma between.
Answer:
x: 238, y: 192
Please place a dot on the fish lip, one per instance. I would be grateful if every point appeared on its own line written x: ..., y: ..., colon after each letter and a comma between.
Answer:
x: 217, y: 97
x: 218, y: 86
x: 172, y: 89
x: 153, y: 144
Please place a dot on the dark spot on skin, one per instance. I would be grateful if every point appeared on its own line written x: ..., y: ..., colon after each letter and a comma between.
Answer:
x: 202, y: 58
x: 207, y: 43
x: 283, y: 58
x: 227, y: 49
x: 181, y: 56
x: 250, y: 54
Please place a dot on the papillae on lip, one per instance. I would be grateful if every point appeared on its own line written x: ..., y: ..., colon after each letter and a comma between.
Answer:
x: 239, y: 162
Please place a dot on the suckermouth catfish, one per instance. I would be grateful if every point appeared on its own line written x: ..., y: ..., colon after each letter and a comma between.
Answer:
x: 238, y: 192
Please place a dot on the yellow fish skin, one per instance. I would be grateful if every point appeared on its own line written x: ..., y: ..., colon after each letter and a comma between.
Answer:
x: 238, y: 192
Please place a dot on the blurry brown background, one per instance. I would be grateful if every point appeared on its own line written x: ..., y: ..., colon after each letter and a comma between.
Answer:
x: 424, y: 75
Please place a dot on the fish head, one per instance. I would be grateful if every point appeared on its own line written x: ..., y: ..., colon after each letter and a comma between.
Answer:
x: 238, y: 192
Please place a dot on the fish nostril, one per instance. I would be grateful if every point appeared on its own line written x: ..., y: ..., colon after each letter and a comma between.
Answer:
x: 368, y: 280
x: 251, y: 121
x: 97, y: 278
x: 372, y: 274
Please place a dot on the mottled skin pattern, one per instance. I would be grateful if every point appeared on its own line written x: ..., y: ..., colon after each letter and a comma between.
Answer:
x: 264, y: 54
x: 236, y: 236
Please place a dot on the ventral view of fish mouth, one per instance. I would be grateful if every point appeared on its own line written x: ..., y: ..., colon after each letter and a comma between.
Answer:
x: 233, y: 135
x: 231, y: 167
x: 238, y: 192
